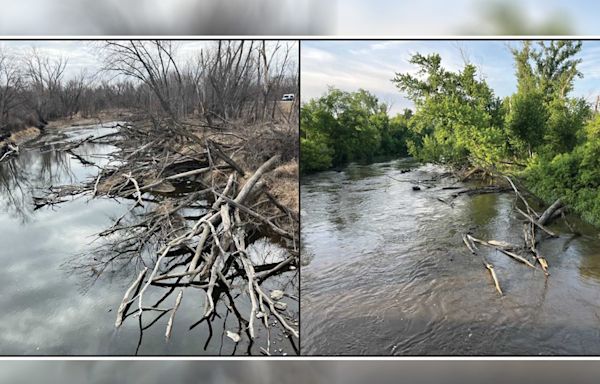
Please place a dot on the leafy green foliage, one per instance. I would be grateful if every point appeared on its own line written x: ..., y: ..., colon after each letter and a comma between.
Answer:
x: 574, y: 176
x: 541, y: 117
x: 457, y: 118
x: 525, y: 120
x: 341, y: 127
x: 562, y: 141
x: 458, y: 121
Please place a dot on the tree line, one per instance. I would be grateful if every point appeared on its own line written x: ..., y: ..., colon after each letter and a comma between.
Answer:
x: 341, y: 127
x: 224, y: 81
x: 542, y: 133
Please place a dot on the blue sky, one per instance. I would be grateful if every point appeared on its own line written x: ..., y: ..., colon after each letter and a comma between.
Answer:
x: 371, y: 64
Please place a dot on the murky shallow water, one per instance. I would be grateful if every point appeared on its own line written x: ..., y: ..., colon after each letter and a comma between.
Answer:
x: 49, y: 304
x: 390, y: 275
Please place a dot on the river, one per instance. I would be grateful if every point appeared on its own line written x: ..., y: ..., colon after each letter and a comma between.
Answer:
x: 54, y: 303
x: 386, y: 271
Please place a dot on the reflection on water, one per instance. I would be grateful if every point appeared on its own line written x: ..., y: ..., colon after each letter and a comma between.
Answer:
x: 60, y: 295
x: 389, y: 273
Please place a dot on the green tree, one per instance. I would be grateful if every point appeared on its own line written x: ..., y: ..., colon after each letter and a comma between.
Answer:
x: 457, y: 115
x: 341, y: 127
x: 526, y: 120
x: 541, y: 116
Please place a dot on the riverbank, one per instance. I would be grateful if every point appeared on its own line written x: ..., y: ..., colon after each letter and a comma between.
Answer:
x: 10, y: 141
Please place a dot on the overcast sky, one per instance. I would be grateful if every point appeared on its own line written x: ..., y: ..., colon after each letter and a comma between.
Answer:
x: 371, y: 64
x: 82, y: 54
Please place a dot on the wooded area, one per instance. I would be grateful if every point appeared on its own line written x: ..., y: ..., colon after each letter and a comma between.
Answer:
x: 541, y: 134
x: 207, y: 134
x: 341, y: 127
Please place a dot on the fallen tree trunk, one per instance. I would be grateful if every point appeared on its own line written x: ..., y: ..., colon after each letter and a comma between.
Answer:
x: 549, y: 212
x: 537, y: 223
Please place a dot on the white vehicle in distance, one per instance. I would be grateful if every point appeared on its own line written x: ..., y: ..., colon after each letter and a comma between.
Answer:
x: 288, y: 97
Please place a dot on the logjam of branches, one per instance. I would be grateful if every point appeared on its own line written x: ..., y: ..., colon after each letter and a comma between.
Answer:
x: 534, y: 229
x: 168, y: 170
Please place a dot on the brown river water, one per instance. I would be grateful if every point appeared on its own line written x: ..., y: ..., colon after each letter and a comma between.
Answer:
x: 387, y: 273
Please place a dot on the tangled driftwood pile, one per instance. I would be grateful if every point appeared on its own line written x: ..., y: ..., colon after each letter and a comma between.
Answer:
x: 194, y: 211
x: 534, y: 230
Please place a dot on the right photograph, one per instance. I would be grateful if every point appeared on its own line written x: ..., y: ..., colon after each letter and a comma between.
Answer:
x: 450, y: 197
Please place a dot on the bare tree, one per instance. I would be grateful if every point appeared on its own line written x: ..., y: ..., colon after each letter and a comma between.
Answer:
x: 11, y: 85
x: 44, y: 76
x: 72, y: 92
x: 152, y: 63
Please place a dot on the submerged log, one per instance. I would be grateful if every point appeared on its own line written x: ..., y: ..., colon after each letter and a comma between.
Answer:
x: 481, y: 191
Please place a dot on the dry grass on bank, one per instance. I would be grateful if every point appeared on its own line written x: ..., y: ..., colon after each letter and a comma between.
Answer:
x: 283, y: 184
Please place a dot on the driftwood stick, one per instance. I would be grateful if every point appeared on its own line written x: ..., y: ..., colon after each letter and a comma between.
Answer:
x: 251, y: 292
x: 520, y: 196
x: 470, y: 173
x: 138, y: 193
x: 95, y: 192
x: 277, y: 268
x: 219, y: 152
x: 125, y: 302
x: 534, y: 221
x: 12, y: 149
x: 503, y: 244
x: 530, y: 241
x: 247, y: 188
x: 274, y: 311
x: 226, y: 191
x: 273, y: 226
x: 490, y: 268
x: 508, y: 253
x: 172, y: 317
x: 468, y: 240
x: 469, y: 245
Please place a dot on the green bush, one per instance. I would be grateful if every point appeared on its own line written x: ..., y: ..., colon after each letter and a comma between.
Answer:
x: 341, y: 127
x: 315, y: 155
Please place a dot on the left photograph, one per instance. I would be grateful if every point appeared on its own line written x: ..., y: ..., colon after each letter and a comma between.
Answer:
x: 149, y: 197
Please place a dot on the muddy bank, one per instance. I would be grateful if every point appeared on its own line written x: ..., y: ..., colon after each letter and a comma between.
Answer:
x: 11, y: 140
